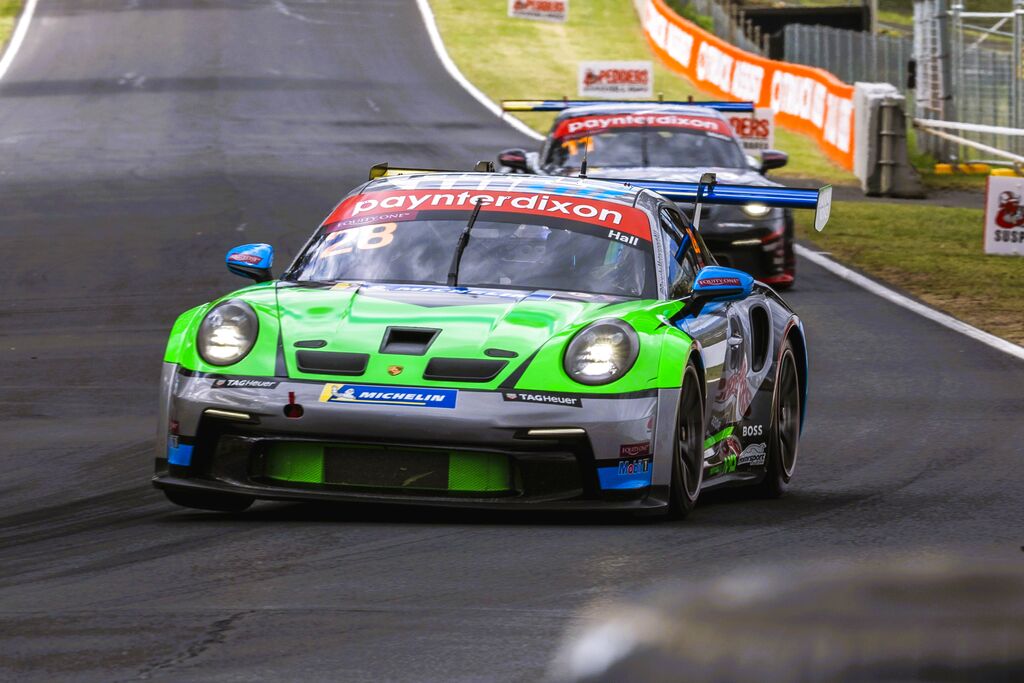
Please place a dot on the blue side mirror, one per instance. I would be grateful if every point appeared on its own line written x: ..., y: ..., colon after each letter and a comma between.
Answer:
x: 251, y: 261
x: 717, y: 283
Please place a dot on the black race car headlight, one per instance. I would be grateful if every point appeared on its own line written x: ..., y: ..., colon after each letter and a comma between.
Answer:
x: 227, y: 333
x: 601, y: 352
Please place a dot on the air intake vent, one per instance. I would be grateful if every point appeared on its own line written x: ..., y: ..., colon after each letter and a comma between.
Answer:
x: 463, y: 369
x: 332, y: 362
x: 408, y: 341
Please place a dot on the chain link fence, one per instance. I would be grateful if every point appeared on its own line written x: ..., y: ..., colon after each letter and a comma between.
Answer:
x: 850, y: 55
x: 728, y: 23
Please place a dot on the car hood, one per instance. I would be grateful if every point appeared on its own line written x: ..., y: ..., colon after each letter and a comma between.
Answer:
x: 355, y: 317
x: 735, y: 176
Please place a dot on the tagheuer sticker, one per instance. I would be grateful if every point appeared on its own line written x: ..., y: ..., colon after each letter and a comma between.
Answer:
x: 550, y: 399
x: 225, y: 383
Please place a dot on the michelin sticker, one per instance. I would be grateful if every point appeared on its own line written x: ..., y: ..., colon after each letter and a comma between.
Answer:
x: 396, y: 396
x: 752, y: 455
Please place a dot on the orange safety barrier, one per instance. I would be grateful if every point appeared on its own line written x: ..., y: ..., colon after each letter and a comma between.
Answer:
x: 805, y: 99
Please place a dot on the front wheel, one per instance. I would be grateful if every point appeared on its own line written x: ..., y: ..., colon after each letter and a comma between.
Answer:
x: 784, y: 433
x: 205, y: 500
x: 688, y: 453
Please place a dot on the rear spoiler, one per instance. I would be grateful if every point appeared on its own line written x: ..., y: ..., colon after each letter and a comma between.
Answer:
x: 561, y: 105
x: 707, y: 191
x: 710, y: 191
x: 383, y: 170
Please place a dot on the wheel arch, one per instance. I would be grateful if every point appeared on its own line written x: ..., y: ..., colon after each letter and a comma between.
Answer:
x: 795, y: 336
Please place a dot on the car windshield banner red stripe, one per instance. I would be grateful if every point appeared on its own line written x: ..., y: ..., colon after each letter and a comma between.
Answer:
x: 587, y: 125
x: 404, y: 205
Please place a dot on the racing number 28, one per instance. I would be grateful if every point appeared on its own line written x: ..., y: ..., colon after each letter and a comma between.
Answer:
x: 366, y: 237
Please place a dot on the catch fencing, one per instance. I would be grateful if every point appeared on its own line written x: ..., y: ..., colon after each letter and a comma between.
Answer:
x: 730, y: 24
x: 851, y: 55
x: 961, y: 80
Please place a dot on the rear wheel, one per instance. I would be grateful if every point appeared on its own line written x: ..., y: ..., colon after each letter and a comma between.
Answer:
x: 784, y: 434
x: 205, y: 500
x: 688, y: 457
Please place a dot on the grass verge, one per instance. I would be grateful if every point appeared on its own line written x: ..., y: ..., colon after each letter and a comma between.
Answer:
x: 9, y: 11
x: 936, y: 254
x: 516, y: 58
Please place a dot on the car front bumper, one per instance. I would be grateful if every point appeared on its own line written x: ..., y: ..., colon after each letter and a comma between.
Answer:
x: 604, y: 452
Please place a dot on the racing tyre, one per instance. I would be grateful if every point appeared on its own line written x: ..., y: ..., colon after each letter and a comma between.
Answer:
x: 688, y: 456
x: 784, y: 433
x: 204, y: 500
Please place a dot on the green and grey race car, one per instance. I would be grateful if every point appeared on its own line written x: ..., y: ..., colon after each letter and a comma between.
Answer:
x: 489, y: 340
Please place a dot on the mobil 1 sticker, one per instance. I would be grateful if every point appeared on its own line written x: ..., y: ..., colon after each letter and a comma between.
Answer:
x: 538, y: 397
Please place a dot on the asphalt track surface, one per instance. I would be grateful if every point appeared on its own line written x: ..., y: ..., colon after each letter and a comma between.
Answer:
x: 141, y: 139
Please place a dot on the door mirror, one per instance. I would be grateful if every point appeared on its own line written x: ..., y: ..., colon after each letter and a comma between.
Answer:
x: 718, y: 283
x: 773, y: 158
x: 514, y: 159
x: 251, y: 261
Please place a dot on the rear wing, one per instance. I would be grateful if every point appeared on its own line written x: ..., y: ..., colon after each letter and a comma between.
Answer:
x: 707, y: 191
x: 710, y: 191
x: 561, y: 105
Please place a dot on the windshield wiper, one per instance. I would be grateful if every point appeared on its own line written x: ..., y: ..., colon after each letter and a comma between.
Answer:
x: 453, y: 270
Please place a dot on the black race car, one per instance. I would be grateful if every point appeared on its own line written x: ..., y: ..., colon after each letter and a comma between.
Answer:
x: 674, y: 142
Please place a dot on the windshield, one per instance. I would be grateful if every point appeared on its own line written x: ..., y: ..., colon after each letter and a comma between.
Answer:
x: 658, y: 147
x: 505, y: 250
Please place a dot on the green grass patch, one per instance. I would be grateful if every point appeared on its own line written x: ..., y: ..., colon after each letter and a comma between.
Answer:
x: 936, y: 254
x: 9, y: 11
x: 516, y: 58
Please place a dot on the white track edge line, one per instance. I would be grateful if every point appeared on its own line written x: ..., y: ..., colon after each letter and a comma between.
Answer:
x: 828, y: 264
x: 894, y: 297
x: 453, y: 71
x: 18, y: 36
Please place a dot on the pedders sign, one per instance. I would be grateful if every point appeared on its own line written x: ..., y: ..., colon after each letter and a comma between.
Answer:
x: 1004, y: 216
x: 756, y: 130
x: 803, y: 98
x: 544, y: 10
x: 616, y: 80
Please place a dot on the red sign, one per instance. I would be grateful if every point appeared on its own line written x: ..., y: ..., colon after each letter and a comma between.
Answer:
x: 1011, y: 212
x: 399, y: 205
x: 587, y: 125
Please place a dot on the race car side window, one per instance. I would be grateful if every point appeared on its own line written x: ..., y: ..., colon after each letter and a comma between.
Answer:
x: 682, y: 268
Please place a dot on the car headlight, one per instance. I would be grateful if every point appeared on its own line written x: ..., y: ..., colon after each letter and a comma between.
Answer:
x: 756, y: 210
x: 227, y: 333
x: 601, y: 352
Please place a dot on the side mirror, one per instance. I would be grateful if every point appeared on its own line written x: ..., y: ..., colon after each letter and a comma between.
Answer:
x: 773, y: 158
x: 717, y: 283
x: 251, y: 261
x: 514, y: 159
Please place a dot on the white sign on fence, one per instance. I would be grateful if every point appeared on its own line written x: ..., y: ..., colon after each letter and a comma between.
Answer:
x: 546, y: 10
x: 756, y: 130
x: 616, y: 80
x: 1004, y: 215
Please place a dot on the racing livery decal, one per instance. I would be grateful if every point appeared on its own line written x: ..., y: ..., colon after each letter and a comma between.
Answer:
x: 587, y: 125
x: 397, y: 206
x: 540, y: 397
x: 401, y: 396
x: 243, y: 383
